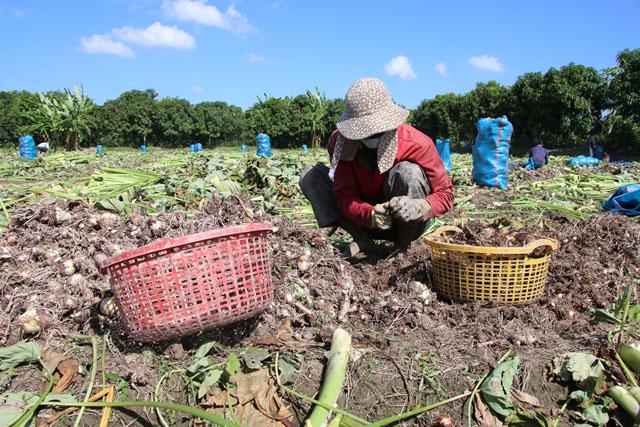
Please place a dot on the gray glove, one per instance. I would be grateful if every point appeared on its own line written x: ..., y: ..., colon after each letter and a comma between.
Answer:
x: 380, y: 218
x: 410, y: 211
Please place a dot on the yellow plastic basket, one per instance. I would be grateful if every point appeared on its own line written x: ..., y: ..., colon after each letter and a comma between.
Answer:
x: 505, y: 275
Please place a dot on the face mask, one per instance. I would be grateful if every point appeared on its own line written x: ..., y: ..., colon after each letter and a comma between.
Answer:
x: 371, y: 142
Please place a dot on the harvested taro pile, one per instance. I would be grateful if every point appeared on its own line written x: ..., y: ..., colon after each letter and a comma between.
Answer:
x: 477, y: 233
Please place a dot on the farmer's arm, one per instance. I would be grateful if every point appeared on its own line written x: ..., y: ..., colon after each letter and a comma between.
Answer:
x: 424, y: 153
x: 345, y: 190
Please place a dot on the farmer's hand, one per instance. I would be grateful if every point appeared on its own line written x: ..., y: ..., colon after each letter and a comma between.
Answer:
x: 410, y: 211
x: 380, y: 218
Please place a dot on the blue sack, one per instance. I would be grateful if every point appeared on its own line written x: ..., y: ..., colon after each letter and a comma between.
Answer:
x: 243, y: 148
x: 445, y: 153
x: 263, y: 145
x: 583, y: 161
x: 530, y: 165
x: 27, y: 147
x: 625, y: 200
x: 491, y: 152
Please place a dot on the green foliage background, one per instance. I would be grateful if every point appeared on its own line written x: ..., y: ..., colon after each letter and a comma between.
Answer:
x: 563, y: 107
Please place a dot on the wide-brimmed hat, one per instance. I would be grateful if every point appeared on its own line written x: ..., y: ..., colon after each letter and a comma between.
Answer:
x: 369, y: 110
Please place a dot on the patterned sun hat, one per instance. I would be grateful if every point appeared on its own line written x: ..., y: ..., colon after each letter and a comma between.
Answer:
x: 369, y: 110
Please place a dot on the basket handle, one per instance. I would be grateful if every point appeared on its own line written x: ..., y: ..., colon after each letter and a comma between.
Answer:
x: 438, y: 232
x: 541, y: 242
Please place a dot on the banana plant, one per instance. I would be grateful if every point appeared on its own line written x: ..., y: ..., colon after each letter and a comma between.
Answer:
x: 76, y: 109
x: 68, y: 117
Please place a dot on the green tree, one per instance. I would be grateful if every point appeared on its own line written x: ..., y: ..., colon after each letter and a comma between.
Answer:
x: 563, y: 107
x: 624, y: 86
x: 218, y: 121
x: 13, y: 123
x: 174, y: 121
x: 622, y: 124
x: 440, y: 117
x: 273, y: 117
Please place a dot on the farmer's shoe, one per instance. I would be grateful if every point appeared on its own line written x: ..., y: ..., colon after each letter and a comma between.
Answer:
x: 362, y: 240
x: 406, y: 234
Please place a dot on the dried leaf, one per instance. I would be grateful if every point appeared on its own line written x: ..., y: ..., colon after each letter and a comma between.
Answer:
x: 272, y: 406
x: 52, y: 359
x: 483, y: 415
x: 250, y: 385
x: 219, y: 399
x: 68, y: 369
x: 521, y: 398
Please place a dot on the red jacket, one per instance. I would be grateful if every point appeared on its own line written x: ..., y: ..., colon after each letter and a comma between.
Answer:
x: 357, y: 190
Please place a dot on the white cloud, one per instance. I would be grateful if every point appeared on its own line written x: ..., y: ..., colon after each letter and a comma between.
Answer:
x: 441, y: 69
x: 253, y: 58
x: 486, y: 63
x: 196, y: 89
x: 400, y: 67
x: 99, y: 43
x: 156, y: 35
x: 200, y: 12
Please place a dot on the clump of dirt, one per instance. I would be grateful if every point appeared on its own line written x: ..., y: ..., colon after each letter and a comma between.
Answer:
x: 523, y: 175
x: 413, y: 347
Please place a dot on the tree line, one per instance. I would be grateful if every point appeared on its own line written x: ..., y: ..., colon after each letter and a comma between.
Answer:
x: 562, y: 107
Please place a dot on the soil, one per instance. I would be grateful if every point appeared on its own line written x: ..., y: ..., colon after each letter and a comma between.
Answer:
x: 412, y: 346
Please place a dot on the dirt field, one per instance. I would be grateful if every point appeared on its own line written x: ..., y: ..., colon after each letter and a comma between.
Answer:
x: 411, y: 346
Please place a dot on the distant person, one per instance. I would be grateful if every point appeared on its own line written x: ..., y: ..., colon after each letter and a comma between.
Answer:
x: 538, y: 155
x: 43, y: 147
x: 592, y: 146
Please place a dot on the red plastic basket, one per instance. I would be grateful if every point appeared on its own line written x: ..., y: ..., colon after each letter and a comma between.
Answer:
x: 177, y: 287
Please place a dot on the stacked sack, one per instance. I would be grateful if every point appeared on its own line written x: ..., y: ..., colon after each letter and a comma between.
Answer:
x: 27, y: 147
x: 491, y: 152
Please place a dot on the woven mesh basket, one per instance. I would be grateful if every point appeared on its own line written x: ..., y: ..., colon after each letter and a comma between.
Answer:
x: 467, y: 273
x: 178, y: 287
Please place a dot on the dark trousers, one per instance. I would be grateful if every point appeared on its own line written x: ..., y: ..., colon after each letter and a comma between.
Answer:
x: 405, y: 179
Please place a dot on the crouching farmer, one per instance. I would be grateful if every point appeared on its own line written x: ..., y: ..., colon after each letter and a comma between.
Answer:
x: 386, y: 180
x: 538, y: 156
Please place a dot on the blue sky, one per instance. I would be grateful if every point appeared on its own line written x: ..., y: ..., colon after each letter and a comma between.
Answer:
x: 217, y: 50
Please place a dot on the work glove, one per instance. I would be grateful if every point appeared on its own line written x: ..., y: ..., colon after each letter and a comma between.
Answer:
x: 410, y: 211
x: 380, y: 218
